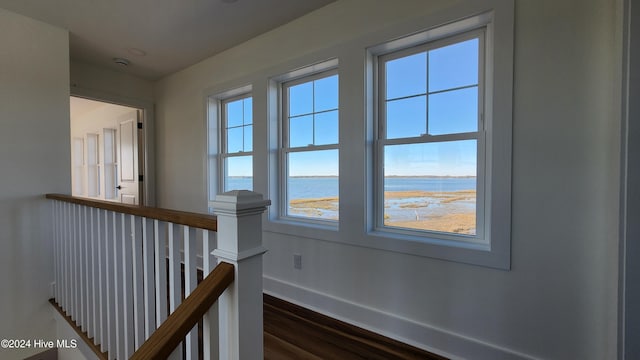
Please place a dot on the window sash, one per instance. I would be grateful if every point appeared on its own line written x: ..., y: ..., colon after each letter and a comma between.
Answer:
x: 285, y: 189
x: 286, y: 118
x: 224, y: 126
x: 381, y: 140
x: 223, y: 174
x: 223, y: 154
x: 285, y: 149
x: 381, y: 84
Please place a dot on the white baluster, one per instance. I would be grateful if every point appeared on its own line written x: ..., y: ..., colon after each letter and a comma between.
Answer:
x: 190, y: 283
x: 93, y: 275
x: 126, y: 261
x: 103, y: 302
x: 57, y: 221
x: 148, y: 249
x: 210, y: 321
x: 68, y: 263
x: 175, y: 289
x: 112, y: 314
x: 84, y: 269
x: 137, y: 224
x: 74, y: 264
x: 77, y: 285
x: 119, y: 250
x: 160, y: 238
x: 55, y: 248
x: 68, y: 238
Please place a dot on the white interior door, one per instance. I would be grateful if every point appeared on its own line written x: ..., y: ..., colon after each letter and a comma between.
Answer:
x: 127, y: 154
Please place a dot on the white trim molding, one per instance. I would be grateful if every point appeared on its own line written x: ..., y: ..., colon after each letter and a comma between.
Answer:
x: 436, y: 340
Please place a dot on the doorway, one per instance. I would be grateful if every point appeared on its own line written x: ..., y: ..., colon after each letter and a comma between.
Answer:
x: 107, y: 151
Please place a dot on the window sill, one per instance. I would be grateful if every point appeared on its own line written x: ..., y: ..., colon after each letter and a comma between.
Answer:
x: 466, y: 252
x: 313, y: 230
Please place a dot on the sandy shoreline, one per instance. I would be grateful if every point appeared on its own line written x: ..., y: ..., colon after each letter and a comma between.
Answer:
x: 460, y: 223
x: 445, y: 211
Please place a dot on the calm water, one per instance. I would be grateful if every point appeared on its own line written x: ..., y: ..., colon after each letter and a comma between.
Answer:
x: 317, y: 187
x: 396, y: 209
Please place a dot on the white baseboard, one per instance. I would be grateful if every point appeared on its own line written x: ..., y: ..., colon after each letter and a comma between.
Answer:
x: 435, y: 340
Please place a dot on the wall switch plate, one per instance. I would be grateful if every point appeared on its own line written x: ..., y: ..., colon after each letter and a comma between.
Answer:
x: 297, y: 261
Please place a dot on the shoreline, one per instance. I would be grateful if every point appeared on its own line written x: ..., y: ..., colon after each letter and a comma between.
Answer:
x: 386, y: 177
x: 442, y: 211
x: 400, y: 194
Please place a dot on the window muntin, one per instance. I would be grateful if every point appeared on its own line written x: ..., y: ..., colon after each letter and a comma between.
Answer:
x: 430, y: 140
x: 236, y: 143
x: 310, y: 148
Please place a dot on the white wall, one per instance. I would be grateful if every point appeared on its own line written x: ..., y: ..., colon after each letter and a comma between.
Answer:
x: 559, y: 299
x: 64, y: 331
x: 34, y: 160
x: 95, y: 81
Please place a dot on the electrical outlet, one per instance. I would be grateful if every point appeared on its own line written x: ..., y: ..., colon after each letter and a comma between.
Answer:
x: 297, y: 261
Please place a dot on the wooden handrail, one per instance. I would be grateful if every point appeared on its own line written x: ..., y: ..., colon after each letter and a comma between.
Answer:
x: 173, y: 330
x: 202, y: 221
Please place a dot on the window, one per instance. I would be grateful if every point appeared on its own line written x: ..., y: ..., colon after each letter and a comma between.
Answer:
x: 430, y: 135
x: 110, y: 164
x: 310, y: 148
x: 93, y: 165
x: 230, y: 141
x: 441, y: 140
x: 405, y: 146
x: 236, y: 143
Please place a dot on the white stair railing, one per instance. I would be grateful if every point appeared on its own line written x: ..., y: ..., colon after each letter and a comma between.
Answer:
x: 121, y: 270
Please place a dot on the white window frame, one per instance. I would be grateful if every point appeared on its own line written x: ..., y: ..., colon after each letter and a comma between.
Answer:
x: 222, y: 140
x: 301, y: 76
x: 479, y: 136
x: 491, y: 245
x: 215, y: 133
x: 96, y: 167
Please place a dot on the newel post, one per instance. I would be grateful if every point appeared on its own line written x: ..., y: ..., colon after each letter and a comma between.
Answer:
x: 239, y: 215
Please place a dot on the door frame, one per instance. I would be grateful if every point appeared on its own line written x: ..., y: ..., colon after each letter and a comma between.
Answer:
x: 629, y: 247
x: 146, y: 145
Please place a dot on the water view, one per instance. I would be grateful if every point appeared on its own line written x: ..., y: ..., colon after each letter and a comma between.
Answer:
x: 446, y: 204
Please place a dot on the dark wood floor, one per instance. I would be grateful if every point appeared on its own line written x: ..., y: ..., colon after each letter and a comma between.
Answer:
x: 296, y: 333
x: 293, y: 332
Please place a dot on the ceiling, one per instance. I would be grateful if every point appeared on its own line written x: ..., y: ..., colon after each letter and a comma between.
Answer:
x: 159, y: 37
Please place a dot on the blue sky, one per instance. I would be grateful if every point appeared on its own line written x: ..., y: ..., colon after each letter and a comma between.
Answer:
x: 444, y: 102
x: 239, y: 125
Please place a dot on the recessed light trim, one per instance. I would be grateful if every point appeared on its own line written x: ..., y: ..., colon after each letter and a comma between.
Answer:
x: 121, y: 61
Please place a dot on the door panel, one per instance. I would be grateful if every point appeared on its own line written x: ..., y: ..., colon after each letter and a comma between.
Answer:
x: 128, y: 199
x: 127, y: 150
x: 128, y: 158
